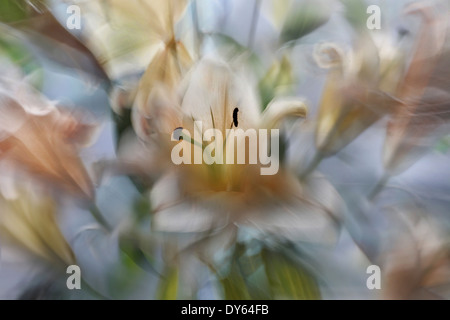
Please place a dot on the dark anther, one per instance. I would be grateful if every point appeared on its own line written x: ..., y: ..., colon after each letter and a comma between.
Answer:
x: 402, y: 32
x: 235, y: 116
x: 177, y: 133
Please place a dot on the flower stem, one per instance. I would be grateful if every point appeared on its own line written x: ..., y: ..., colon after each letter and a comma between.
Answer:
x: 198, y: 35
x: 312, y: 165
x: 92, y: 291
x: 378, y: 187
x: 95, y: 212
x: 251, y: 37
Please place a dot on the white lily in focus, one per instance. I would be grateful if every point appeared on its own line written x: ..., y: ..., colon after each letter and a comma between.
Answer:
x: 200, y: 198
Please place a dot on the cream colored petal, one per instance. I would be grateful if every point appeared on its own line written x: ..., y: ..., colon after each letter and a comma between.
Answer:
x: 279, y: 109
x: 296, y: 222
x: 156, y: 94
x: 278, y: 11
x: 213, y: 94
x: 162, y: 113
x: 30, y: 222
x: 149, y: 158
x: 186, y: 217
x: 310, y: 212
x: 123, y: 34
x: 122, y: 97
x: 329, y: 55
x: 162, y: 69
x: 346, y: 110
x: 351, y: 101
x: 174, y: 213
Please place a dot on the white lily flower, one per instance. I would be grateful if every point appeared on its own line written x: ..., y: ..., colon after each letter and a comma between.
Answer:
x: 198, y: 198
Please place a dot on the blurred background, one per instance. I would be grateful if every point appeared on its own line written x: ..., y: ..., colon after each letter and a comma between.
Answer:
x: 92, y: 90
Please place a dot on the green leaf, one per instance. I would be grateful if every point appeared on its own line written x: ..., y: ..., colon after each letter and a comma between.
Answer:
x: 246, y: 278
x: 304, y: 19
x: 142, y: 208
x: 443, y: 145
x: 124, y: 277
x: 278, y: 80
x: 134, y: 263
x: 14, y: 10
x: 356, y: 13
x: 131, y: 248
x: 234, y: 285
x: 13, y: 47
x: 288, y: 279
x: 232, y: 48
x: 252, y: 270
x: 168, y: 284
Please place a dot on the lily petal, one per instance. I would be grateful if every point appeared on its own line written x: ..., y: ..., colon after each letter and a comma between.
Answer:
x: 280, y: 109
x: 31, y: 223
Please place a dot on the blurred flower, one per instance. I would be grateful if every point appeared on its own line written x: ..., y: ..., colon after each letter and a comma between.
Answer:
x: 167, y: 67
x: 176, y: 227
x: 44, y: 140
x: 353, y: 99
x: 423, y: 95
x: 151, y: 44
x: 417, y: 260
x: 29, y: 222
x: 197, y: 198
x: 125, y: 35
x: 33, y: 30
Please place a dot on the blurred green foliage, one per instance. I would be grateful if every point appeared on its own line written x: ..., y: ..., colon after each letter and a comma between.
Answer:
x: 443, y: 145
x: 277, y: 81
x: 168, y: 284
x: 304, y: 19
x: 267, y: 274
